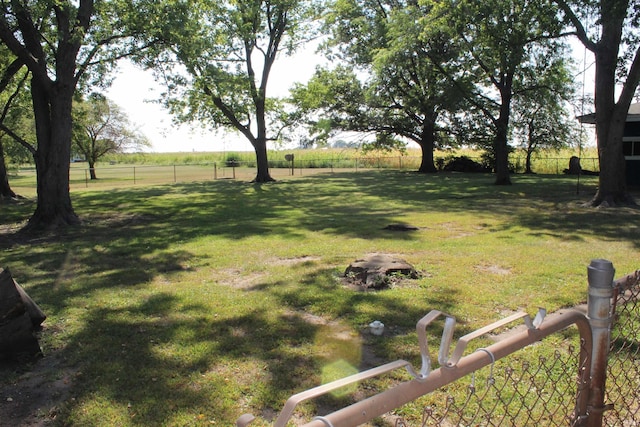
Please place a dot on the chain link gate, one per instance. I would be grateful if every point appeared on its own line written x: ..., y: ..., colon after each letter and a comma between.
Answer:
x: 623, y: 374
x: 565, y: 389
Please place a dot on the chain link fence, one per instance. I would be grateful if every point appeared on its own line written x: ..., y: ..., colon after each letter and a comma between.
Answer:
x: 551, y: 372
x: 623, y: 375
x: 546, y: 392
x: 542, y: 392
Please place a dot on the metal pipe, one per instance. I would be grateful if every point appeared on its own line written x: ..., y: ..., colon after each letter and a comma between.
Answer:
x: 600, y: 275
x: 405, y: 392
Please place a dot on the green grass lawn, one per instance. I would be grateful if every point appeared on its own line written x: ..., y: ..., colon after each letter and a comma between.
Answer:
x: 190, y: 304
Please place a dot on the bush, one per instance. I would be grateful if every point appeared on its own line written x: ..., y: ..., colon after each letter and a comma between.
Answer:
x: 464, y: 164
x: 232, y: 160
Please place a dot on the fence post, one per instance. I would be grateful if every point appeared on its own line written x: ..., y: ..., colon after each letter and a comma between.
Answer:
x: 600, y: 276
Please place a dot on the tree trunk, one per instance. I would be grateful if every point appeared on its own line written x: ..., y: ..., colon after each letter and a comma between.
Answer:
x: 500, y: 145
x: 612, y: 185
x: 427, y: 144
x: 527, y: 166
x: 52, y: 111
x: 262, y: 175
x: 92, y: 169
x: 5, y: 188
x: 501, y: 154
x: 530, y: 146
x: 260, y: 142
x: 610, y: 122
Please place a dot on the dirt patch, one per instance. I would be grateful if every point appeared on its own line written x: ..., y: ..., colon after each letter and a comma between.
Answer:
x: 494, y: 269
x: 241, y: 280
x: 33, y: 397
x: 293, y: 261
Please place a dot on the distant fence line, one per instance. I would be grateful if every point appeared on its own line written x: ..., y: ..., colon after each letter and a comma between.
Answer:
x: 123, y: 175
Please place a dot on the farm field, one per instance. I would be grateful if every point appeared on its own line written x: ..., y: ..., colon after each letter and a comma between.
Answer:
x: 144, y: 169
x: 191, y: 303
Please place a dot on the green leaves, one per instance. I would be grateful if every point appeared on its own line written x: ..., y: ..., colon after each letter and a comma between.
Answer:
x: 101, y: 128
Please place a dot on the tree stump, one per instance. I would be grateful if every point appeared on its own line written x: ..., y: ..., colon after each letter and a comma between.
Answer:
x: 576, y: 169
x: 20, y: 317
x: 378, y: 271
x: 574, y: 166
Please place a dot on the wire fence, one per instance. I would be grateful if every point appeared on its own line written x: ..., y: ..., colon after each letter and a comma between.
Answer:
x: 118, y: 175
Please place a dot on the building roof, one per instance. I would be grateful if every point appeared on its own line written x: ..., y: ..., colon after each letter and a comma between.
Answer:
x: 633, y: 115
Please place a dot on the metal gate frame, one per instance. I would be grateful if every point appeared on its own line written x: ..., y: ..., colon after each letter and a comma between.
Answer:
x: 595, y: 333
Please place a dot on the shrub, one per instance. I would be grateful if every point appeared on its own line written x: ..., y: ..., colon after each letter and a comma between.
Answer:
x: 232, y: 160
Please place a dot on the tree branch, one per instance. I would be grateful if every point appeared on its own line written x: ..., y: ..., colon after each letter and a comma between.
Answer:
x: 22, y: 51
x: 633, y: 79
x: 9, y: 72
x: 18, y: 139
x: 575, y: 21
x: 13, y: 96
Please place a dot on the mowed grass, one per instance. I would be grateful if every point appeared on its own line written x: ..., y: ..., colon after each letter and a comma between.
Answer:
x: 191, y: 304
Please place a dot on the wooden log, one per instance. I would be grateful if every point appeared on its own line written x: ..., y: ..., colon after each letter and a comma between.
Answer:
x: 36, y: 315
x: 17, y: 338
x: 11, y: 304
x: 8, y: 297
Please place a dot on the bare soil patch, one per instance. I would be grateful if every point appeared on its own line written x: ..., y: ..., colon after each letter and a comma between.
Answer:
x: 35, y: 393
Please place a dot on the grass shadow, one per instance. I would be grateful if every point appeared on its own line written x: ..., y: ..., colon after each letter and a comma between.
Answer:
x: 142, y: 305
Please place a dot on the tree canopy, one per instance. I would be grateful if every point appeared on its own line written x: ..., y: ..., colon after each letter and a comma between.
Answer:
x: 100, y: 128
x: 502, y: 45
x: 543, y: 116
x: 220, y: 62
x: 386, y: 83
x: 437, y: 72
x: 66, y: 45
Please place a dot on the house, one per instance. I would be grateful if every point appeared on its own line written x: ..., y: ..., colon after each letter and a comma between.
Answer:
x: 630, y: 142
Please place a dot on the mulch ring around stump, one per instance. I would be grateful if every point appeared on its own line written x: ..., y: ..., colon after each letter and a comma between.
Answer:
x: 378, y: 271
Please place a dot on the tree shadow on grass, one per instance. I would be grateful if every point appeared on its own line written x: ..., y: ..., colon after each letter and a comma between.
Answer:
x: 547, y: 206
x: 128, y: 354
x: 164, y: 363
x: 167, y: 360
x: 351, y: 205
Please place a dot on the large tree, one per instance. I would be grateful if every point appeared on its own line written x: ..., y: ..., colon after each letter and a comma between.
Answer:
x: 100, y: 127
x: 609, y: 29
x: 225, y: 53
x: 396, y: 90
x: 501, y: 40
x: 12, y: 83
x: 60, y: 42
x: 542, y: 117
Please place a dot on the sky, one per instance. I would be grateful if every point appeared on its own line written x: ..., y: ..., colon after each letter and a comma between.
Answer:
x: 134, y: 91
